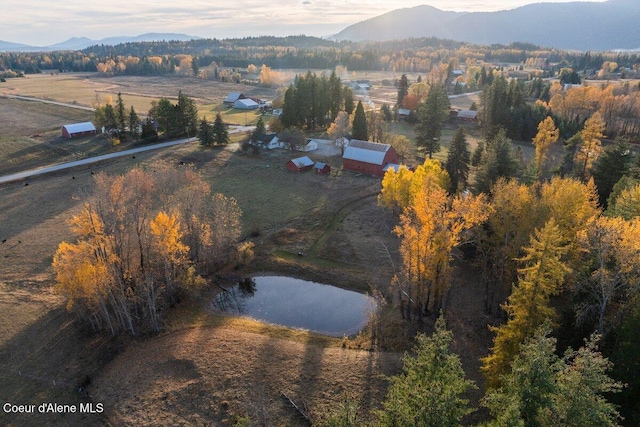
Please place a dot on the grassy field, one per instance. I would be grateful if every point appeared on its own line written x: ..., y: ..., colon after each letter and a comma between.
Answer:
x: 203, y: 367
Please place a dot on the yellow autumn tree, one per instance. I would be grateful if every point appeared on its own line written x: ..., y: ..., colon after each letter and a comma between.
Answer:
x: 399, y: 189
x: 609, y: 284
x: 591, y: 147
x: 131, y: 258
x: 572, y: 204
x: 541, y: 276
x: 626, y: 204
x: 430, y: 228
x: 547, y: 135
x: 515, y: 211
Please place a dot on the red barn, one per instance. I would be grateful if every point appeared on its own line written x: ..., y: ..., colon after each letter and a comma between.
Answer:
x: 322, y: 168
x: 368, y: 157
x: 78, y: 129
x: 300, y: 164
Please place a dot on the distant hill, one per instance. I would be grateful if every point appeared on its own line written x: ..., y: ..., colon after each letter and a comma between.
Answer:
x: 79, y: 43
x: 577, y: 25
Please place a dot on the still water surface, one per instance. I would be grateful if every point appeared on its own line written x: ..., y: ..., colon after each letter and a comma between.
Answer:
x: 297, y: 303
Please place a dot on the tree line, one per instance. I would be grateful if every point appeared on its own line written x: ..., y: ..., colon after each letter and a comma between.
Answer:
x: 413, y: 55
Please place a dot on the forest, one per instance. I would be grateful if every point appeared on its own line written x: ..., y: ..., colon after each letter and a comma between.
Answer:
x: 302, y: 52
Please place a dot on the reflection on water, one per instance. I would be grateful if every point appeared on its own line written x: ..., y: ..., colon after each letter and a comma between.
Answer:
x: 297, y: 303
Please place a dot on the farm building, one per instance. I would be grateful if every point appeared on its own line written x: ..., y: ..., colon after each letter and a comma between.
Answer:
x: 246, y: 104
x: 467, y: 115
x: 403, y: 113
x: 311, y: 145
x: 300, y: 164
x: 76, y: 130
x: 368, y: 157
x: 322, y: 168
x: 232, y: 98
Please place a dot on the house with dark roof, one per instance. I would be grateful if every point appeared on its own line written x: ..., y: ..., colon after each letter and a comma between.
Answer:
x: 368, y: 157
x: 233, y: 97
x: 467, y: 115
x: 267, y: 140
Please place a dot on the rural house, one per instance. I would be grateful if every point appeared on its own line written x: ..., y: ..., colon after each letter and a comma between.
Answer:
x: 76, y: 130
x: 268, y: 141
x: 232, y: 98
x: 368, y: 157
x: 300, y: 164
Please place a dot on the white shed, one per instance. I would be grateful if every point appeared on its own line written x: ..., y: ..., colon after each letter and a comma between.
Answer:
x: 310, y: 146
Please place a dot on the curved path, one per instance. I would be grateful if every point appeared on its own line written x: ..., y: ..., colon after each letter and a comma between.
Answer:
x: 62, y: 166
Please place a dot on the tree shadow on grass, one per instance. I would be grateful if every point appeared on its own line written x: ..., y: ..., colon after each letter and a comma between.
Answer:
x: 52, y: 360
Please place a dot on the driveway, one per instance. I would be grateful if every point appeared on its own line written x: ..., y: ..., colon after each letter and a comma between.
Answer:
x: 62, y: 166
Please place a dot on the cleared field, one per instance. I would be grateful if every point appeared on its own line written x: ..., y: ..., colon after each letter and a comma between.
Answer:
x: 88, y: 89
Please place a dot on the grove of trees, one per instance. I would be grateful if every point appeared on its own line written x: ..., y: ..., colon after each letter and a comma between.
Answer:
x: 142, y: 239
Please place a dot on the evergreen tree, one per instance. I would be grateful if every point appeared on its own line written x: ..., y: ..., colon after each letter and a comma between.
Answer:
x: 349, y: 103
x: 121, y: 114
x: 110, y: 117
x: 429, y: 390
x: 477, y: 154
x: 498, y: 160
x: 164, y: 113
x: 543, y: 389
x: 403, y: 90
x: 360, y: 124
x: 610, y: 167
x: 334, y: 96
x: 289, y: 115
x: 260, y: 129
x: 220, y: 133
x: 458, y: 159
x: 386, y: 111
x: 495, y: 107
x: 431, y: 118
x: 134, y: 120
x: 205, y: 133
x: 187, y: 115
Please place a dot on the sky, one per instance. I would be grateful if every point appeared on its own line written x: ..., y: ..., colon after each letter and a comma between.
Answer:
x: 45, y: 22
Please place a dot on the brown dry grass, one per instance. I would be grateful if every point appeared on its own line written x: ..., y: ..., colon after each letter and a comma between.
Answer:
x: 204, y: 368
x: 209, y: 375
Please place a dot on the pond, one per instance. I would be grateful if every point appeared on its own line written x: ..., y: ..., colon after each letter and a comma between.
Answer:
x: 297, y: 303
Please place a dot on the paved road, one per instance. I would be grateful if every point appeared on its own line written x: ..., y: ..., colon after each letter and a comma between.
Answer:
x: 90, y: 160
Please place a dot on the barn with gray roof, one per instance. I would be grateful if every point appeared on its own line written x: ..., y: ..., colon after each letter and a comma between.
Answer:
x: 368, y: 157
x: 76, y: 130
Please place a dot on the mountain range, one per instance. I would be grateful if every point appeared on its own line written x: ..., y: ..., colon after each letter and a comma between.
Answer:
x: 79, y: 43
x: 608, y: 25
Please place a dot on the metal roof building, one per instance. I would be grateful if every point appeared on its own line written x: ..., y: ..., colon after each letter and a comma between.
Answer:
x: 300, y: 164
x: 78, y: 129
x: 368, y: 157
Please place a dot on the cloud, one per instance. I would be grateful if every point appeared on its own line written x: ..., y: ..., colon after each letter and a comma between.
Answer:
x: 40, y: 22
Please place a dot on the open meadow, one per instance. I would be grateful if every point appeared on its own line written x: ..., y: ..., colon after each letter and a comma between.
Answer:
x: 203, y: 368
